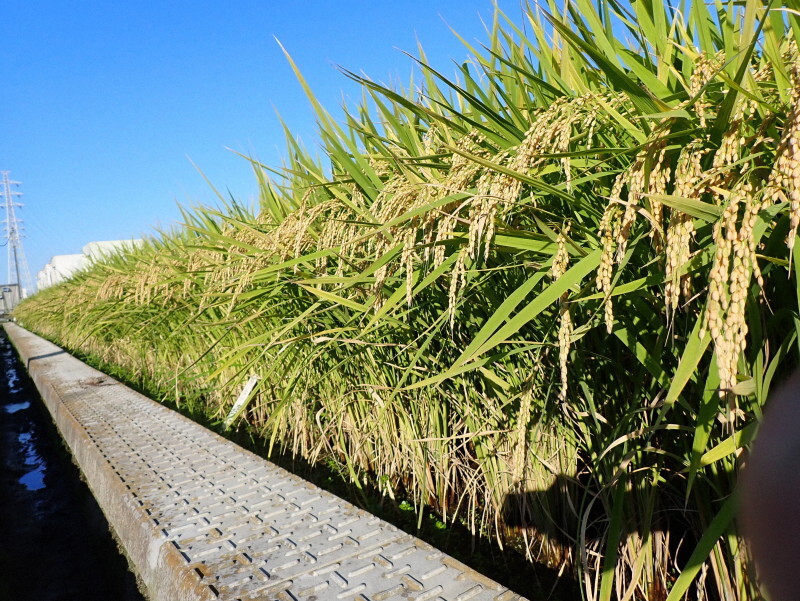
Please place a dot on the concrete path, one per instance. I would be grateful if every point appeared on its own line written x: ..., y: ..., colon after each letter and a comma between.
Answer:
x: 202, y: 518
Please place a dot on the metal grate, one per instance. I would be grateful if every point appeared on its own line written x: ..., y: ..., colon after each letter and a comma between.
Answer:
x: 242, y: 527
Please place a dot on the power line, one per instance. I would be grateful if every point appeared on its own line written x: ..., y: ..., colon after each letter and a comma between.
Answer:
x: 17, y: 263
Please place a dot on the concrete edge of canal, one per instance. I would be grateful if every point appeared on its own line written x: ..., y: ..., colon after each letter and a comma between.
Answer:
x: 163, y: 574
x: 200, y: 518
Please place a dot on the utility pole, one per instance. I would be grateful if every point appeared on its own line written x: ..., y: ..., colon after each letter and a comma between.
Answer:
x: 17, y: 264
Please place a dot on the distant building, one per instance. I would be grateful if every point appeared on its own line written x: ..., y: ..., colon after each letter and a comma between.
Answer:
x: 59, y: 269
x: 97, y: 250
x: 62, y: 267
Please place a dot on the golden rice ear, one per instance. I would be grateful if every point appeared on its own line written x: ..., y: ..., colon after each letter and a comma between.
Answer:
x: 519, y: 461
x: 784, y: 179
x: 735, y: 263
x: 680, y: 230
x: 609, y: 230
x: 729, y: 282
x: 458, y: 279
x: 559, y: 268
x: 705, y: 69
x: 407, y: 259
x: 565, y: 329
x: 647, y: 177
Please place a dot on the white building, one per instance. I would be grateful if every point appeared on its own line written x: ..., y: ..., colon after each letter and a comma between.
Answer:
x: 97, y: 250
x: 62, y: 267
x: 59, y: 269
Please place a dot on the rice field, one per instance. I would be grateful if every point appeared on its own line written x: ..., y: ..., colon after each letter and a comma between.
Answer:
x: 546, y: 296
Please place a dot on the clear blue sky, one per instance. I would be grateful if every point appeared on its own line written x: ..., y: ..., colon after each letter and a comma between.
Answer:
x: 105, y: 105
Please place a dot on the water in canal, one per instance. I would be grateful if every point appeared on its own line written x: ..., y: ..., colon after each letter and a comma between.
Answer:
x: 55, y: 544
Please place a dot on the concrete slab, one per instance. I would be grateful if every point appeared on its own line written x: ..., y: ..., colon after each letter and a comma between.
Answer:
x: 203, y: 519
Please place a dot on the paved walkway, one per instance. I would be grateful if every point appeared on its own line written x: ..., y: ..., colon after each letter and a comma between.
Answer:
x: 202, y: 518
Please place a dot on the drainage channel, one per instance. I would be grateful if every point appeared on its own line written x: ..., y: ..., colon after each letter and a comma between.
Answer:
x: 202, y: 518
x: 55, y: 544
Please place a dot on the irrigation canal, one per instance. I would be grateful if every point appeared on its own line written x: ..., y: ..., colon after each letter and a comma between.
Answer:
x: 203, y: 519
x: 55, y: 544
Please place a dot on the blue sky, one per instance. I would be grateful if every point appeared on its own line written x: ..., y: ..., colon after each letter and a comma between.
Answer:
x: 105, y: 105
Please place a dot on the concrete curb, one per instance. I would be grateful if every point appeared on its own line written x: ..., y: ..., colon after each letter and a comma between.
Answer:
x: 203, y: 519
x: 163, y: 573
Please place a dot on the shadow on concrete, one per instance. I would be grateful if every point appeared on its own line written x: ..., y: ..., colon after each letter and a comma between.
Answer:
x: 37, y: 357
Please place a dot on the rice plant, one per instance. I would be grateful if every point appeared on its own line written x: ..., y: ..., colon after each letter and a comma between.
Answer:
x: 547, y: 296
